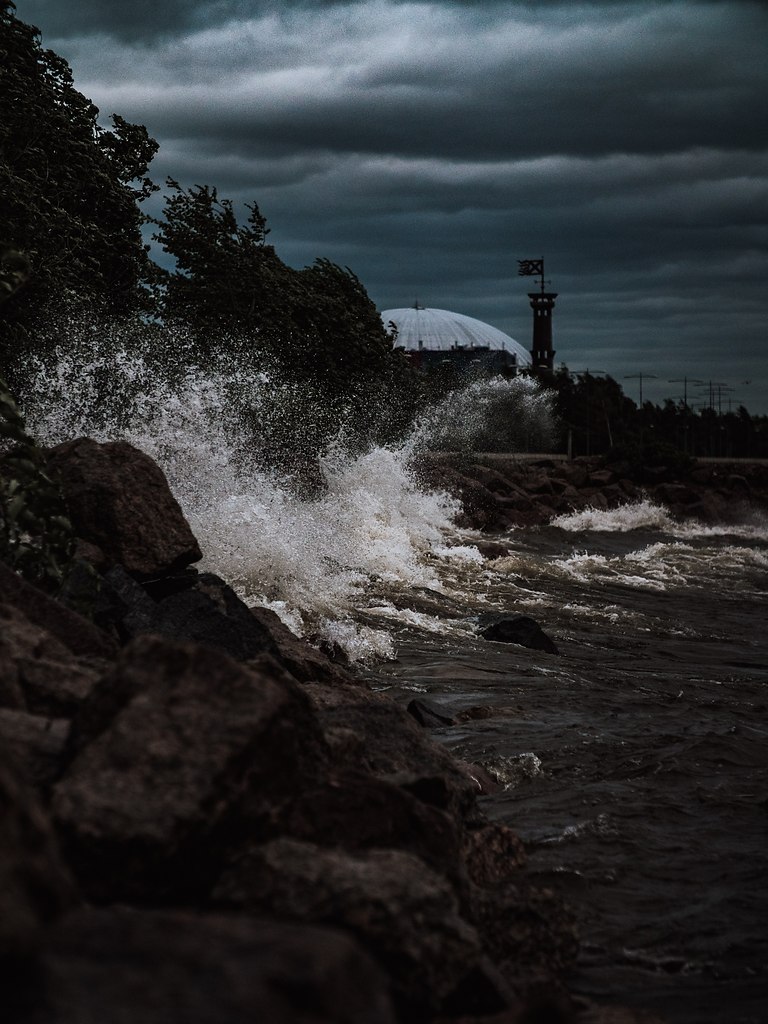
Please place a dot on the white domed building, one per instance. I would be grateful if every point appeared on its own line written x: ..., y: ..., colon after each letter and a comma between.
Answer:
x: 434, y: 336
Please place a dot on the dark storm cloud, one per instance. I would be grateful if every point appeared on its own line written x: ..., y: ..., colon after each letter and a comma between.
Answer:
x: 425, y: 80
x: 428, y: 145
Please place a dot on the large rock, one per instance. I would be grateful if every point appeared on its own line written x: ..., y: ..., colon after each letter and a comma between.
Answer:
x: 36, y: 743
x: 34, y: 886
x: 77, y: 634
x: 369, y: 732
x: 199, y: 608
x: 37, y: 671
x: 493, y: 853
x: 124, y: 966
x: 403, y: 913
x: 305, y: 662
x: 171, y: 747
x: 119, y: 500
x: 203, y: 608
x: 359, y: 812
x: 529, y: 933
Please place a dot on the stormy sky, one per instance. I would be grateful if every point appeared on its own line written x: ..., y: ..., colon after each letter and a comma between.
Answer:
x: 430, y: 145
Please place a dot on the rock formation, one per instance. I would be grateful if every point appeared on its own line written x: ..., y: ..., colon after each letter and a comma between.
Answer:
x: 207, y: 820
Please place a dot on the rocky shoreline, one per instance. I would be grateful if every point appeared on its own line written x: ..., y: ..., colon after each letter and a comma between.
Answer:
x: 498, y: 494
x: 209, y: 820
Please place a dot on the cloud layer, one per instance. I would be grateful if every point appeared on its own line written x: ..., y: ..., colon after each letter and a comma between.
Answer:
x: 430, y: 145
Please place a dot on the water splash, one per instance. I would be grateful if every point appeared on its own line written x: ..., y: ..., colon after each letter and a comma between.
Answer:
x: 314, y: 560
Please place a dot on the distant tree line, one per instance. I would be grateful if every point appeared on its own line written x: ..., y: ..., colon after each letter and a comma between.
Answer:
x: 596, y: 416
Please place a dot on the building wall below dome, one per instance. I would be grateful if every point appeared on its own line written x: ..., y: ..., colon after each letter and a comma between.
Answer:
x: 464, y: 359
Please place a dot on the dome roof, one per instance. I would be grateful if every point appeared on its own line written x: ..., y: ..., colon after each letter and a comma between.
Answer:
x: 440, y: 329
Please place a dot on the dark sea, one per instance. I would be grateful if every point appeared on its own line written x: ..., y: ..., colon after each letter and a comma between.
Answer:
x: 634, y: 764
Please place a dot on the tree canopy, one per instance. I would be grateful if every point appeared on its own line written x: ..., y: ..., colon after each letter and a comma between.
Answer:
x: 68, y: 186
x: 317, y: 324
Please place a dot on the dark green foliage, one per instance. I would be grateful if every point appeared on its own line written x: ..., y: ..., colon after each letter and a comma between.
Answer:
x: 314, y: 328
x: 594, y: 409
x: 67, y: 198
x: 36, y: 536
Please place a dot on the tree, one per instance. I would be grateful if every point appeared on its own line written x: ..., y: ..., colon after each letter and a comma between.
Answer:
x: 68, y: 187
x: 316, y: 326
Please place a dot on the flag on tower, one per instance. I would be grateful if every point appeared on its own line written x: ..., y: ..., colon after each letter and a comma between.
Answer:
x: 530, y: 268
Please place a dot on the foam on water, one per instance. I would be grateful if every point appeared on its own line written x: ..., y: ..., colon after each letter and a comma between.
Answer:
x: 664, y: 565
x: 312, y: 561
x: 647, y: 515
x: 639, y: 515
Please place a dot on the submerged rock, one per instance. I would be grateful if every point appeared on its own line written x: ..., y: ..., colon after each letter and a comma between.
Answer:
x: 429, y: 714
x: 518, y: 629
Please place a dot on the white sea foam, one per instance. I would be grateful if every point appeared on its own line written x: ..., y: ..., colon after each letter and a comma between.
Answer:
x: 312, y: 561
x: 639, y: 515
x: 647, y: 515
x: 664, y: 565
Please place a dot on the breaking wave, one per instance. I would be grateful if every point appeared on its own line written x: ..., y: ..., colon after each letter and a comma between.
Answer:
x: 313, y: 560
x: 647, y: 515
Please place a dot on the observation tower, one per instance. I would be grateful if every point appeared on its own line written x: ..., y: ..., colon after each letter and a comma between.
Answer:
x: 542, y: 304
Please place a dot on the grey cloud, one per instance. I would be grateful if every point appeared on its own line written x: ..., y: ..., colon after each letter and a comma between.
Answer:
x: 512, y: 89
x: 429, y: 146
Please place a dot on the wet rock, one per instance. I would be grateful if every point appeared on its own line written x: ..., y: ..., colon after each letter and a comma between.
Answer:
x: 575, y: 472
x: 200, y: 608
x: 36, y: 744
x: 302, y: 660
x: 492, y: 854
x: 517, y: 629
x: 119, y: 500
x: 404, y: 914
x: 601, y: 477
x: 673, y: 495
x: 615, y: 495
x: 211, y: 613
x: 34, y: 885
x: 37, y: 672
x: 429, y: 715
x: 76, y: 633
x: 591, y: 1013
x: 360, y: 812
x: 391, y: 743
x: 737, y: 484
x: 122, y: 966
x: 482, y: 778
x: 171, y: 747
x: 481, y: 509
x: 529, y: 933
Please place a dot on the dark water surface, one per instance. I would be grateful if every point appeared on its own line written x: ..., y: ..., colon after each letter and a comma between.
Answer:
x: 636, y: 762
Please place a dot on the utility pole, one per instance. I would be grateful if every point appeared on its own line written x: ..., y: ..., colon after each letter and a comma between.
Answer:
x: 641, y: 377
x: 585, y: 376
x: 685, y: 381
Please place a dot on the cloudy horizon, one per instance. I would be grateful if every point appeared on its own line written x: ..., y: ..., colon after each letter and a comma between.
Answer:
x: 429, y: 146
